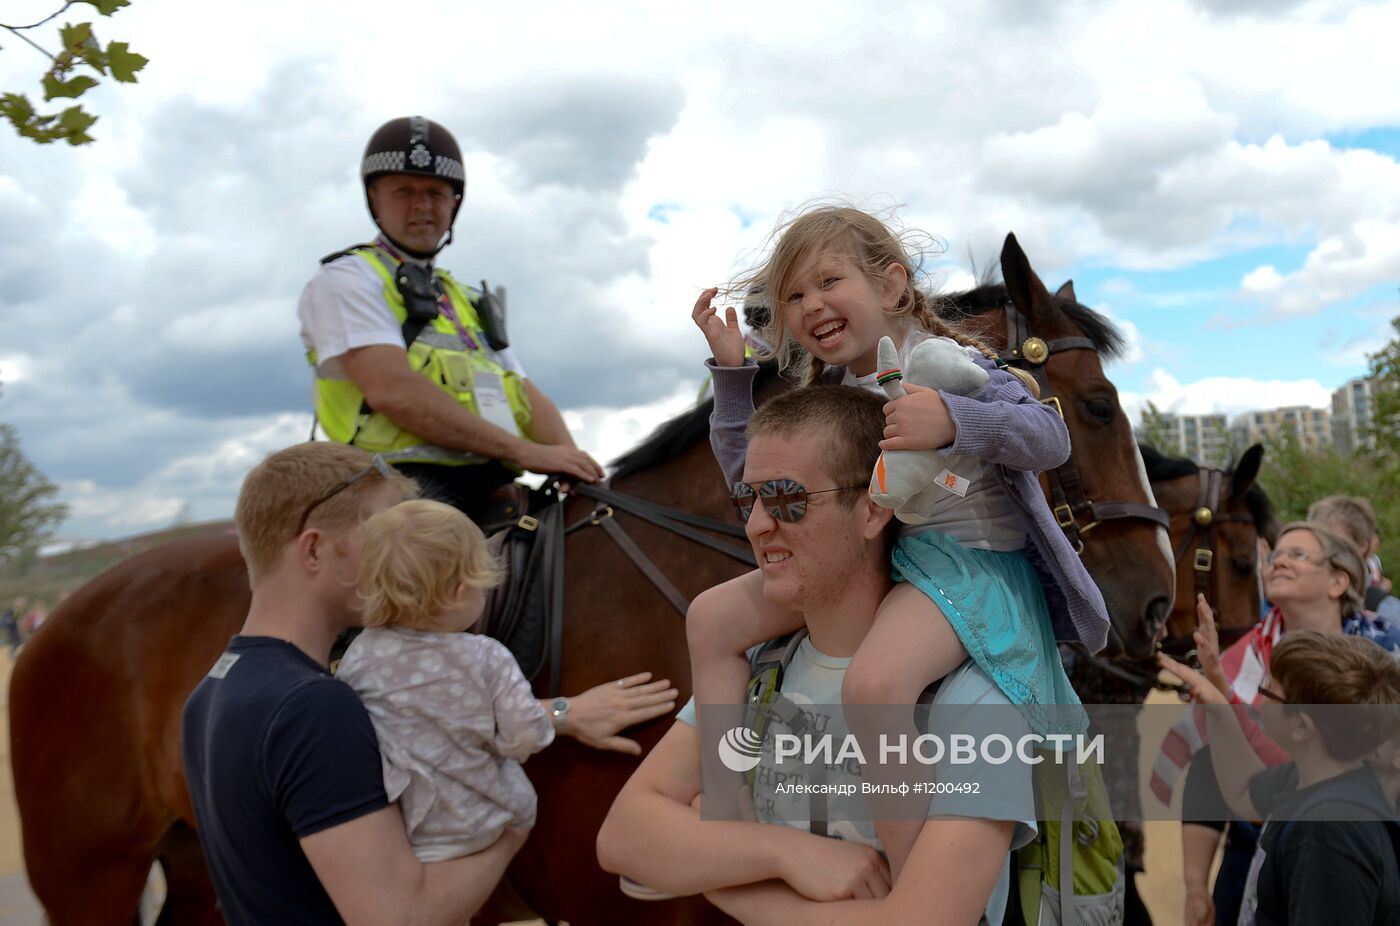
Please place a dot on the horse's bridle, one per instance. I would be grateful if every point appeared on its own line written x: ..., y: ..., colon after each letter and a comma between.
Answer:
x: 1074, y: 511
x: 1205, y: 515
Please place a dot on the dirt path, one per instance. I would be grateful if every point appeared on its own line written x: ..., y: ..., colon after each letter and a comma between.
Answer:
x: 17, y: 905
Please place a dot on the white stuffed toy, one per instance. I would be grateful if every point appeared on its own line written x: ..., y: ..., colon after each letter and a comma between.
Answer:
x: 911, y: 481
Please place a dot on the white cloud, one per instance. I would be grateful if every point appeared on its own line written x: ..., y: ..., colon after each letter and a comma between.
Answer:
x: 1340, y: 267
x: 607, y: 433
x: 116, y: 509
x: 1111, y: 137
x: 1262, y: 281
x: 1228, y: 395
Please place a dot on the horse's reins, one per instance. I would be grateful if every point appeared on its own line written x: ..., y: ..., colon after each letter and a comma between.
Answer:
x: 609, y: 501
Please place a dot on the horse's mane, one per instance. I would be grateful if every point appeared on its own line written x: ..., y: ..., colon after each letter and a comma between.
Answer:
x: 677, y: 435
x: 991, y: 296
x: 1161, y: 468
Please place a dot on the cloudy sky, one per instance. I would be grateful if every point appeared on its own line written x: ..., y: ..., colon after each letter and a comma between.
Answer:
x: 1220, y: 176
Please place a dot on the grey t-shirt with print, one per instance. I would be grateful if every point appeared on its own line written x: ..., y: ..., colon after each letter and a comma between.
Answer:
x: 813, y: 679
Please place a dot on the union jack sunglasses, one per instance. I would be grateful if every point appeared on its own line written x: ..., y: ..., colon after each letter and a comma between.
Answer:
x: 784, y: 499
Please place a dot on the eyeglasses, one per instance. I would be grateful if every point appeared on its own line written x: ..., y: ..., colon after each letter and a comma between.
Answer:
x: 1272, y: 695
x: 377, y: 464
x: 784, y: 499
x: 1292, y: 554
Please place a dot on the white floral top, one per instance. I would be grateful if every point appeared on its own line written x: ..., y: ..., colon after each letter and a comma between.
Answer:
x: 454, y: 717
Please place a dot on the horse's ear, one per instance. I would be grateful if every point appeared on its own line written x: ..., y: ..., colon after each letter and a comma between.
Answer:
x: 1025, y: 289
x: 1066, y: 291
x: 1246, y: 471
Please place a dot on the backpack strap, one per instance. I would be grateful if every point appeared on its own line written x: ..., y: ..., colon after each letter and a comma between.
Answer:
x: 767, y: 664
x: 1076, y: 793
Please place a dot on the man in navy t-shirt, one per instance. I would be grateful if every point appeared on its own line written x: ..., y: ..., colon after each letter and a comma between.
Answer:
x: 281, y: 759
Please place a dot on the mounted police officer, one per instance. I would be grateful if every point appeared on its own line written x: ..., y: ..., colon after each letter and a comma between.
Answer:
x: 412, y: 364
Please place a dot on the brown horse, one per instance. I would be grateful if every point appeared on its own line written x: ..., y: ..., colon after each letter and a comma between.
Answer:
x: 95, y: 699
x: 1218, y: 517
x: 1101, y: 496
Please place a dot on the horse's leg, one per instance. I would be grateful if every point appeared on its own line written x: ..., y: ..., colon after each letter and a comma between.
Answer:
x: 88, y: 827
x: 98, y: 894
x: 189, y: 894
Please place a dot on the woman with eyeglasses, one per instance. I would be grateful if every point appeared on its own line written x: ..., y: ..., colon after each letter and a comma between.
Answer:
x: 1313, y: 577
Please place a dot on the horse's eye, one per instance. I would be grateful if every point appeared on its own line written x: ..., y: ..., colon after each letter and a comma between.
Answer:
x: 1242, y: 566
x: 1101, y: 410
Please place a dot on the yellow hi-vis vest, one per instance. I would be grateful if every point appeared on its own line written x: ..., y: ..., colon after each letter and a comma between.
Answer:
x: 439, y: 354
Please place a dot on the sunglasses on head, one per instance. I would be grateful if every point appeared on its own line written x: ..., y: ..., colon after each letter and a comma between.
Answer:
x: 783, y: 499
x: 377, y: 464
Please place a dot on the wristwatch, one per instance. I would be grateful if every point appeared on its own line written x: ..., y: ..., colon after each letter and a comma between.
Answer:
x: 559, y: 711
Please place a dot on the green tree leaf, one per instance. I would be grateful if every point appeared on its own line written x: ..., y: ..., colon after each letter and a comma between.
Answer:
x: 107, y: 7
x: 1154, y: 429
x: 54, y: 88
x: 73, y: 125
x: 27, y: 513
x: 16, y: 106
x: 124, y: 62
x: 75, y: 37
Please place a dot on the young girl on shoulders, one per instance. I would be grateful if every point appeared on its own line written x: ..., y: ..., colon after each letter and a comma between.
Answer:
x: 454, y: 715
x: 967, y: 582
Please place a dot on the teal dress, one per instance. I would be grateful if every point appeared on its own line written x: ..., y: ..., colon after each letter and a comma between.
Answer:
x: 995, y: 604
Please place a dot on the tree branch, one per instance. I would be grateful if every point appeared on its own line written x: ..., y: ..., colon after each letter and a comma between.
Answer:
x: 47, y: 18
x: 26, y: 38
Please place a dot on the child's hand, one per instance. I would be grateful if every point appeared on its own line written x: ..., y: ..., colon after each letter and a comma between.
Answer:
x: 1203, y: 690
x: 1208, y: 646
x: 918, y: 421
x: 724, y: 334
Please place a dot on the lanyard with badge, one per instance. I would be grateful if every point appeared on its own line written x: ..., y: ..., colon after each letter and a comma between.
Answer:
x: 425, y: 298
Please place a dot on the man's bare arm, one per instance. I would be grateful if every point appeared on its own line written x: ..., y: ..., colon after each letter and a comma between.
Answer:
x: 654, y: 836
x: 948, y: 878
x: 383, y: 374
x: 371, y: 874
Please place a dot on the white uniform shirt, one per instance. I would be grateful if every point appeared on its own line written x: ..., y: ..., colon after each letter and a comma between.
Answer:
x: 343, y: 307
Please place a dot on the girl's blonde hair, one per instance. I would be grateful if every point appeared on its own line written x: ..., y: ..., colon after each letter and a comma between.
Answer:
x: 415, y: 555
x: 872, y: 246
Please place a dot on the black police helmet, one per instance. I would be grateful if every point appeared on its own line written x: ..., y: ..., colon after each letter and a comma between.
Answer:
x: 418, y: 146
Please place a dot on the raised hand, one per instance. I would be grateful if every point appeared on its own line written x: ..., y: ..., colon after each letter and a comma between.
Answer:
x: 724, y: 335
x: 1208, y: 646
